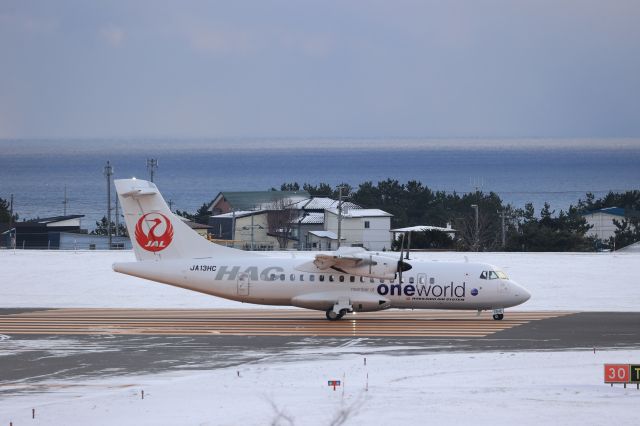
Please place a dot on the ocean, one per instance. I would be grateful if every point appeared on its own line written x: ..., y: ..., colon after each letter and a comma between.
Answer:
x: 191, y: 172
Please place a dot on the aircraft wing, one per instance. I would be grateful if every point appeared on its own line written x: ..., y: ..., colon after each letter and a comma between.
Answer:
x: 356, y: 262
x: 337, y: 262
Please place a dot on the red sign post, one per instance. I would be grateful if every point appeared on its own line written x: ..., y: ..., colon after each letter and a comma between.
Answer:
x: 617, y: 373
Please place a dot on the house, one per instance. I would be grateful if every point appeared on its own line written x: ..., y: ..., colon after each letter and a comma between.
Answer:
x: 226, y: 202
x: 245, y: 229
x: 84, y: 241
x: 43, y: 233
x: 368, y: 228
x: 602, y: 221
x: 322, y: 240
x: 311, y: 218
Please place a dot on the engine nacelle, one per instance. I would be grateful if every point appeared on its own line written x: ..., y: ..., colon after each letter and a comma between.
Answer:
x: 373, y: 266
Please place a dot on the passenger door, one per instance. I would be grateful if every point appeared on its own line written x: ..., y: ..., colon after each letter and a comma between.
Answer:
x: 244, y: 284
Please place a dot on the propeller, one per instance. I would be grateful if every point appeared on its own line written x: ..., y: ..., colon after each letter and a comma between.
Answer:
x: 400, y: 263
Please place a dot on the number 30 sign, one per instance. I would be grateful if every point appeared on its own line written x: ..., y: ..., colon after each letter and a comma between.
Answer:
x: 616, y: 373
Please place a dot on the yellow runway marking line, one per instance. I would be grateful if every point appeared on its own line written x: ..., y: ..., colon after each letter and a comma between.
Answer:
x: 262, y: 322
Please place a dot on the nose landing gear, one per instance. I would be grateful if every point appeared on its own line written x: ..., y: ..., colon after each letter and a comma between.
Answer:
x: 498, y: 314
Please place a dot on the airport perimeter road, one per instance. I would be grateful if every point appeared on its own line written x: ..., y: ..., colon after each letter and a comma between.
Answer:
x: 39, y: 345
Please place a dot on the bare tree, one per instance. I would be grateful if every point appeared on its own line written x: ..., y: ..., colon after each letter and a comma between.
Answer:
x: 281, y: 219
x: 488, y: 234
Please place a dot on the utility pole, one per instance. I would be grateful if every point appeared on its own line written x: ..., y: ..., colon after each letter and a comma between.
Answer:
x: 11, y: 212
x: 477, y: 236
x: 66, y: 200
x: 117, y: 217
x: 503, y: 215
x: 152, y: 166
x: 339, y: 214
x: 108, y: 171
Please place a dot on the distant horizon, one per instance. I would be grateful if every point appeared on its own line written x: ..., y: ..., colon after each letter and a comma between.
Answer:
x: 24, y: 146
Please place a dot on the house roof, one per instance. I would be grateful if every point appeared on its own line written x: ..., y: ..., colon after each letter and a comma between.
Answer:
x: 322, y: 203
x: 254, y: 200
x: 312, y: 218
x: 240, y: 213
x: 325, y: 234
x: 361, y: 213
x: 421, y: 228
x: 614, y: 211
x: 192, y: 224
x: 54, y: 219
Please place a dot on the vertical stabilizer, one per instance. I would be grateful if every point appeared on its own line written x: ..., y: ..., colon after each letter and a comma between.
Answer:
x: 155, y: 232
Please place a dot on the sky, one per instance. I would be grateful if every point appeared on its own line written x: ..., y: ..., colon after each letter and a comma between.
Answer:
x: 303, y: 68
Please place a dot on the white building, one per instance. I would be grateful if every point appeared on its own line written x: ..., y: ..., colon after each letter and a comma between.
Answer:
x: 368, y: 228
x: 602, y: 221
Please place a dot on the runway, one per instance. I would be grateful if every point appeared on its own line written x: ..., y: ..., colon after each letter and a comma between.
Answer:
x: 262, y: 322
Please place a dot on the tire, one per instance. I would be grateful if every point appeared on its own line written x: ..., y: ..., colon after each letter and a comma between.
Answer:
x: 498, y: 317
x: 332, y: 316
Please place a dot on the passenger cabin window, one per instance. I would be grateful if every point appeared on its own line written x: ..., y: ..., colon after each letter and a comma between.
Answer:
x: 331, y: 278
x: 432, y: 280
x: 301, y: 277
x: 282, y: 277
x: 352, y: 279
x: 321, y: 277
x: 366, y: 224
x: 312, y: 277
x: 292, y: 277
x: 341, y: 278
x: 422, y: 279
x: 411, y: 280
x: 272, y: 277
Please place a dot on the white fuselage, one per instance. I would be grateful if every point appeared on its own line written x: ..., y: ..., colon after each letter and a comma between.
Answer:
x: 279, y: 280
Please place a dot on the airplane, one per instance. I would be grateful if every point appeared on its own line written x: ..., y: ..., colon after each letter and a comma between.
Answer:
x: 347, y: 280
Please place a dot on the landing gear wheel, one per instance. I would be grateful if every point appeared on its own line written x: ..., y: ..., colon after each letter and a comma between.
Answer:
x: 332, y: 316
x: 498, y: 317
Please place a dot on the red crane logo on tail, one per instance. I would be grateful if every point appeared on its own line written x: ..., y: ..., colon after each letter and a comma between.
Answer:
x: 151, y: 241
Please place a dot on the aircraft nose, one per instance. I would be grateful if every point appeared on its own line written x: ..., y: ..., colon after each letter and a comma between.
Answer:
x: 520, y: 293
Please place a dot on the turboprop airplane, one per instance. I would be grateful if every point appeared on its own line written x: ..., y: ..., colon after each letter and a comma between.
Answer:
x: 347, y: 280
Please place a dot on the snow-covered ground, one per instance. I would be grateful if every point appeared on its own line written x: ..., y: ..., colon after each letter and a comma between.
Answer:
x: 291, y: 387
x: 466, y: 388
x: 557, y: 281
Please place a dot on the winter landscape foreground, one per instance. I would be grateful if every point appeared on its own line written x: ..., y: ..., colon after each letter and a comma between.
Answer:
x: 396, y: 386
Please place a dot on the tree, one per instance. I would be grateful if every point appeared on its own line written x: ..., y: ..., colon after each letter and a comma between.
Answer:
x: 5, y: 212
x: 102, y: 228
x: 200, y: 216
x: 627, y: 232
x: 293, y: 186
x: 281, y: 220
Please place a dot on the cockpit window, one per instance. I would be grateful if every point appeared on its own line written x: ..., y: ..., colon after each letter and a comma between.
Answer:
x: 493, y: 275
x: 502, y: 275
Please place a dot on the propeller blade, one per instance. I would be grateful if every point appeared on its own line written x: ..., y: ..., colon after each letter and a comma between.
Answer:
x: 400, y: 265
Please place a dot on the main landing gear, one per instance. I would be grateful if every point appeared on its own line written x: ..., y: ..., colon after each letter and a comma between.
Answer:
x: 333, y: 316
x: 498, y: 314
x: 339, y: 310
